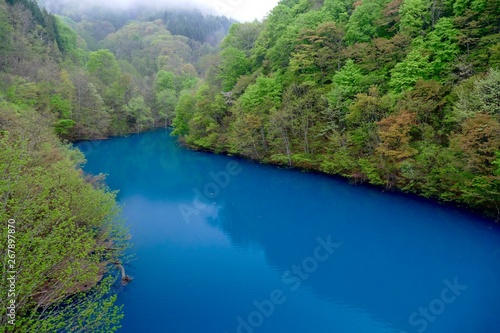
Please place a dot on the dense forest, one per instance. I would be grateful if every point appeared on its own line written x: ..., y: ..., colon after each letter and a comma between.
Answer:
x: 98, y: 80
x: 403, y: 94
x: 72, y: 77
x: 94, y: 22
x: 64, y: 229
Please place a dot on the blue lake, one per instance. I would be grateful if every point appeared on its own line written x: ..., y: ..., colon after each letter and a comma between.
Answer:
x: 226, y: 245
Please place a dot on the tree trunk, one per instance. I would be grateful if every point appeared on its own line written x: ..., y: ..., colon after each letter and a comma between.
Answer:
x: 306, y: 136
x: 287, y: 143
x: 125, y: 278
x: 263, y: 138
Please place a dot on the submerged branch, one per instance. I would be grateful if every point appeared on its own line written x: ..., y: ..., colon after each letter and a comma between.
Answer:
x: 125, y: 278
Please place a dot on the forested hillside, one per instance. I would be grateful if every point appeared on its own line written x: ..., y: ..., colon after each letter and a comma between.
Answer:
x: 60, y: 229
x: 64, y: 233
x: 93, y: 21
x: 131, y: 83
x: 404, y: 94
x: 66, y: 239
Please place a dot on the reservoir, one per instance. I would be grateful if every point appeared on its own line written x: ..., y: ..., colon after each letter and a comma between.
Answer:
x: 225, y: 245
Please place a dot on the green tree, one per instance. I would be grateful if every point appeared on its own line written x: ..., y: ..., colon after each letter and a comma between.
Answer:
x: 183, y: 114
x: 166, y: 100
x: 261, y: 96
x: 346, y: 84
x: 90, y: 112
x: 275, y: 26
x: 164, y: 81
x: 242, y: 36
x: 234, y: 63
x: 460, y: 6
x: 362, y: 23
x: 414, y: 16
x: 245, y: 135
x: 103, y: 65
x: 487, y: 93
x: 318, y: 53
x: 337, y: 10
x: 495, y: 56
x: 68, y: 39
x: 443, y: 43
x: 476, y: 95
x: 415, y: 67
x: 368, y: 108
x: 139, y: 114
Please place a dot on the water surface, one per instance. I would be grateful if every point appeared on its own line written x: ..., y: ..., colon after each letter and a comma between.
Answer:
x: 248, y: 254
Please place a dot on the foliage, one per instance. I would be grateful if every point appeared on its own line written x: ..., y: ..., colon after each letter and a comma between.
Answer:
x: 183, y: 114
x: 233, y: 65
x: 361, y: 26
x: 414, y: 16
x: 406, y: 73
x: 394, y: 93
x: 103, y: 65
x: 138, y: 113
x: 261, y: 96
x: 67, y: 231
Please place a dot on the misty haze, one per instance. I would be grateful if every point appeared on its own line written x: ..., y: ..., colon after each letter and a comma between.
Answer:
x: 241, y: 10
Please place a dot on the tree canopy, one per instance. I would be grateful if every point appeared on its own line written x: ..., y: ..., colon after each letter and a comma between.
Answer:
x: 401, y: 94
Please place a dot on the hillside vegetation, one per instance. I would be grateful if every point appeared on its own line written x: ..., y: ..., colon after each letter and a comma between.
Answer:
x: 67, y: 233
x: 60, y: 82
x: 403, y: 94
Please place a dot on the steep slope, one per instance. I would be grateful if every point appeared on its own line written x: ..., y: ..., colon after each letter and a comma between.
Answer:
x: 401, y: 94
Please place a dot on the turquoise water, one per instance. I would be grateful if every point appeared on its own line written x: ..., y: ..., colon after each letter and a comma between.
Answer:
x: 226, y: 245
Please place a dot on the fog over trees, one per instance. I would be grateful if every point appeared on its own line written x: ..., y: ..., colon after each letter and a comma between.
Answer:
x: 241, y: 10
